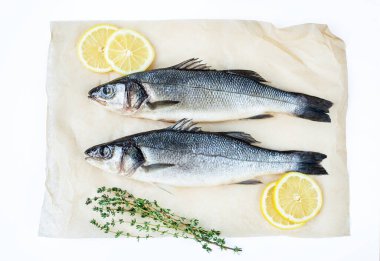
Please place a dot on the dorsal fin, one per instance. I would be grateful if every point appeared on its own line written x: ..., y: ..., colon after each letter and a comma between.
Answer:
x: 189, y: 125
x: 242, y: 136
x: 184, y: 125
x: 191, y: 64
x: 196, y: 64
x: 248, y: 74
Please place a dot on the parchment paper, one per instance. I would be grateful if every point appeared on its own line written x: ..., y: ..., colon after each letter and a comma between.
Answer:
x: 305, y: 58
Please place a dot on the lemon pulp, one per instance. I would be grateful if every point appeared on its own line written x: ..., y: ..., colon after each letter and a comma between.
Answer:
x: 91, y: 47
x: 297, y: 197
x: 127, y: 52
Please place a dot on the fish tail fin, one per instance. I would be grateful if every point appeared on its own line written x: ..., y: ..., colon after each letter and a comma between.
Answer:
x: 309, y: 162
x: 311, y: 168
x: 314, y: 108
x: 313, y: 114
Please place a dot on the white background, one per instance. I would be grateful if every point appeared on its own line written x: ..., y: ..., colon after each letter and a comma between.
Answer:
x: 24, y: 39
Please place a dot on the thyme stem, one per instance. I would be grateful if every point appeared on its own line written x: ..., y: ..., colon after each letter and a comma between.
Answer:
x: 113, y: 203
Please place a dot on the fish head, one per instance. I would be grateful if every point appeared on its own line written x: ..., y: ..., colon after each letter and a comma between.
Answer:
x: 123, y: 95
x: 118, y: 157
x: 107, y: 157
x: 110, y: 95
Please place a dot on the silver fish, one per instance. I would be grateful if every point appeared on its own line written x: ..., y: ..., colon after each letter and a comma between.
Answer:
x: 193, y: 90
x: 183, y: 155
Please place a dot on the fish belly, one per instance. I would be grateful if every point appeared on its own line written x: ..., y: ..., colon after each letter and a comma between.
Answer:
x: 202, y: 104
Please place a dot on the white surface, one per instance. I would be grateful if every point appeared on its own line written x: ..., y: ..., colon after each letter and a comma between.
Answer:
x: 25, y: 36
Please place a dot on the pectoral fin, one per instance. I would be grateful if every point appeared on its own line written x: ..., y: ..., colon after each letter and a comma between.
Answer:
x: 249, y: 182
x: 261, y: 116
x: 161, y: 104
x: 158, y: 166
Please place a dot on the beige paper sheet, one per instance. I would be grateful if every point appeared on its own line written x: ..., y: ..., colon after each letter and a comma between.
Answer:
x: 305, y: 58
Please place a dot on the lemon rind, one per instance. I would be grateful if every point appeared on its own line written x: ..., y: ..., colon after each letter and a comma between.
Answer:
x: 266, y: 215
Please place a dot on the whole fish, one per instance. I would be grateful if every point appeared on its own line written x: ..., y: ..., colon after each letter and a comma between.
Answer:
x: 184, y: 155
x: 193, y: 90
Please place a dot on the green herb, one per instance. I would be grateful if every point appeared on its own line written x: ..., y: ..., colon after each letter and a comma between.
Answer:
x: 118, y: 208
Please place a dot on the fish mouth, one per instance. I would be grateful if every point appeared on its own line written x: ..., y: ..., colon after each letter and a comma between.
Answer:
x: 87, y: 154
x: 97, y: 100
x: 87, y: 158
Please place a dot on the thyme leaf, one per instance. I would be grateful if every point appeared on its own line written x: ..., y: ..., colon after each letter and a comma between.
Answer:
x: 117, y: 207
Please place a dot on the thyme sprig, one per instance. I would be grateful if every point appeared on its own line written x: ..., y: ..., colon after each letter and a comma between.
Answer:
x: 147, y: 219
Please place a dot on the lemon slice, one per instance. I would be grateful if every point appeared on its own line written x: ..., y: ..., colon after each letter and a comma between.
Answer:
x: 297, y: 197
x: 128, y: 51
x: 270, y: 213
x: 91, y: 47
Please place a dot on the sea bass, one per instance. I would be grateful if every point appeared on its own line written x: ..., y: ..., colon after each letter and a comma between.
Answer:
x: 193, y: 90
x: 183, y: 155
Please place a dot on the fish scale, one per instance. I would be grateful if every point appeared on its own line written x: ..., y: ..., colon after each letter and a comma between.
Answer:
x: 222, y: 95
x: 204, y: 143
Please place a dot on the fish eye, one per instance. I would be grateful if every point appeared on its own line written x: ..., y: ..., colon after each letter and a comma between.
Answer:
x: 108, y: 91
x: 105, y: 152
